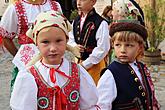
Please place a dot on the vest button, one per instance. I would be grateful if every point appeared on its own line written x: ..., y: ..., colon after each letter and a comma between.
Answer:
x: 132, y: 72
x: 143, y: 94
x: 145, y: 101
x: 140, y: 87
x: 136, y: 79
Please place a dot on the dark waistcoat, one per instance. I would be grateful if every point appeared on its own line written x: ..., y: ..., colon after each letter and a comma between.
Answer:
x: 87, y: 36
x: 131, y: 95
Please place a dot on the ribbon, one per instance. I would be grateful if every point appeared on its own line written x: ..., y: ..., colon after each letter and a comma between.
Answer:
x: 52, y: 74
x: 61, y: 99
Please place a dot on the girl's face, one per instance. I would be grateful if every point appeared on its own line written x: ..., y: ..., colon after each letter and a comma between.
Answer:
x: 126, y: 52
x: 110, y: 14
x: 51, y: 42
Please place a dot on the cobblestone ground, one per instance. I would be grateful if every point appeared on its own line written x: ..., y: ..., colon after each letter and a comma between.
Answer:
x: 158, y: 74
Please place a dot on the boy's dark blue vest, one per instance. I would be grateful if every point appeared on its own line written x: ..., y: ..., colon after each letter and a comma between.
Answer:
x: 87, y: 35
x: 130, y: 93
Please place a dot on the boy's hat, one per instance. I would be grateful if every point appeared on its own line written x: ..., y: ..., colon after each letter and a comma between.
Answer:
x: 47, y: 19
x: 129, y: 25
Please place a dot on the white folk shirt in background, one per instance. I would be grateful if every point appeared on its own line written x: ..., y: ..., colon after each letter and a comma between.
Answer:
x: 24, y: 95
x: 9, y: 21
x: 102, y: 48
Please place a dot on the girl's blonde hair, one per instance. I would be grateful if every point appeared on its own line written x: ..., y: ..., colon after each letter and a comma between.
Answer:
x: 127, y: 36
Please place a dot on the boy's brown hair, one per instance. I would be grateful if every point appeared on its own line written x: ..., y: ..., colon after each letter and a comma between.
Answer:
x: 127, y: 36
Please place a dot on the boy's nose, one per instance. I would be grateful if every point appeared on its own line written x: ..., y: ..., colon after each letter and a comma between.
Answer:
x: 78, y: 2
x: 123, y: 49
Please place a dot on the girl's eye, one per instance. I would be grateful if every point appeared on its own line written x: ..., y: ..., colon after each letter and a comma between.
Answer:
x: 59, y: 40
x: 45, y: 42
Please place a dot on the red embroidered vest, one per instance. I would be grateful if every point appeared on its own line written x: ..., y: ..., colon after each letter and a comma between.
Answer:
x: 23, y: 22
x: 46, y: 94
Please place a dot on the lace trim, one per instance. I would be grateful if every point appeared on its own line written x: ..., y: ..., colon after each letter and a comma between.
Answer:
x: 5, y: 34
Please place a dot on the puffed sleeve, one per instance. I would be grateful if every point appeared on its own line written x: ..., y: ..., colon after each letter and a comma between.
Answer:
x: 71, y: 38
x: 88, y: 91
x: 8, y: 24
x: 107, y: 91
x: 24, y: 95
x: 102, y: 48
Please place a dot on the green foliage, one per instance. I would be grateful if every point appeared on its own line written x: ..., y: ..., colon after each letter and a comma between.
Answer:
x: 155, y: 20
x: 73, y: 15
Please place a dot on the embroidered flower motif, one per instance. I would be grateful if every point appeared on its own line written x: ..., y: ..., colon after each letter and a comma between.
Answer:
x: 55, y: 25
x: 43, y: 21
x: 35, y: 22
x: 129, y: 5
x: 27, y: 53
x: 4, y: 33
x: 53, y: 15
x: 74, y: 96
x: 43, y: 102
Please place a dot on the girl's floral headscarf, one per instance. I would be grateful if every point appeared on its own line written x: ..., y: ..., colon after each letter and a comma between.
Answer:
x: 48, y: 19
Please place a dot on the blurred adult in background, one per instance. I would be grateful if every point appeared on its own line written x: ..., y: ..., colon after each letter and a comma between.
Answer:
x: 107, y: 14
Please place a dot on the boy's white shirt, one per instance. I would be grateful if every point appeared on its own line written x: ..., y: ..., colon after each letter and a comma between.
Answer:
x: 107, y: 88
x: 103, y: 44
x: 24, y: 95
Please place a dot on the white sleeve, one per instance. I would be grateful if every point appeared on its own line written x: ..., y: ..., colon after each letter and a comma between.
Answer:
x: 102, y: 48
x: 107, y: 91
x: 9, y: 21
x: 24, y: 95
x: 88, y: 91
x: 71, y: 38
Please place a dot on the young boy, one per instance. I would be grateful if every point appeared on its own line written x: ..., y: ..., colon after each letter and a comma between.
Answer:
x: 91, y: 35
x: 53, y: 83
x: 126, y: 84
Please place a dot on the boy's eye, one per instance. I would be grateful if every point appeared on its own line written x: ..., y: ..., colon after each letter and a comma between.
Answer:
x: 117, y: 44
x: 129, y: 45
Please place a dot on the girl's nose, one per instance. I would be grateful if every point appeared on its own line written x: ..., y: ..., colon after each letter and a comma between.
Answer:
x: 53, y: 48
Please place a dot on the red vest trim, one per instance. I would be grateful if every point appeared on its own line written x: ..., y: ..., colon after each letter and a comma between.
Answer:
x: 22, y: 24
x: 46, y: 94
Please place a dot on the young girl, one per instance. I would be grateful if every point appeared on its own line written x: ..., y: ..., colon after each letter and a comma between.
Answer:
x: 127, y: 84
x: 53, y: 83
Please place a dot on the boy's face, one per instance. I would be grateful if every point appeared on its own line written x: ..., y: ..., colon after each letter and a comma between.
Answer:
x: 126, y: 52
x: 85, y: 6
x: 51, y: 42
